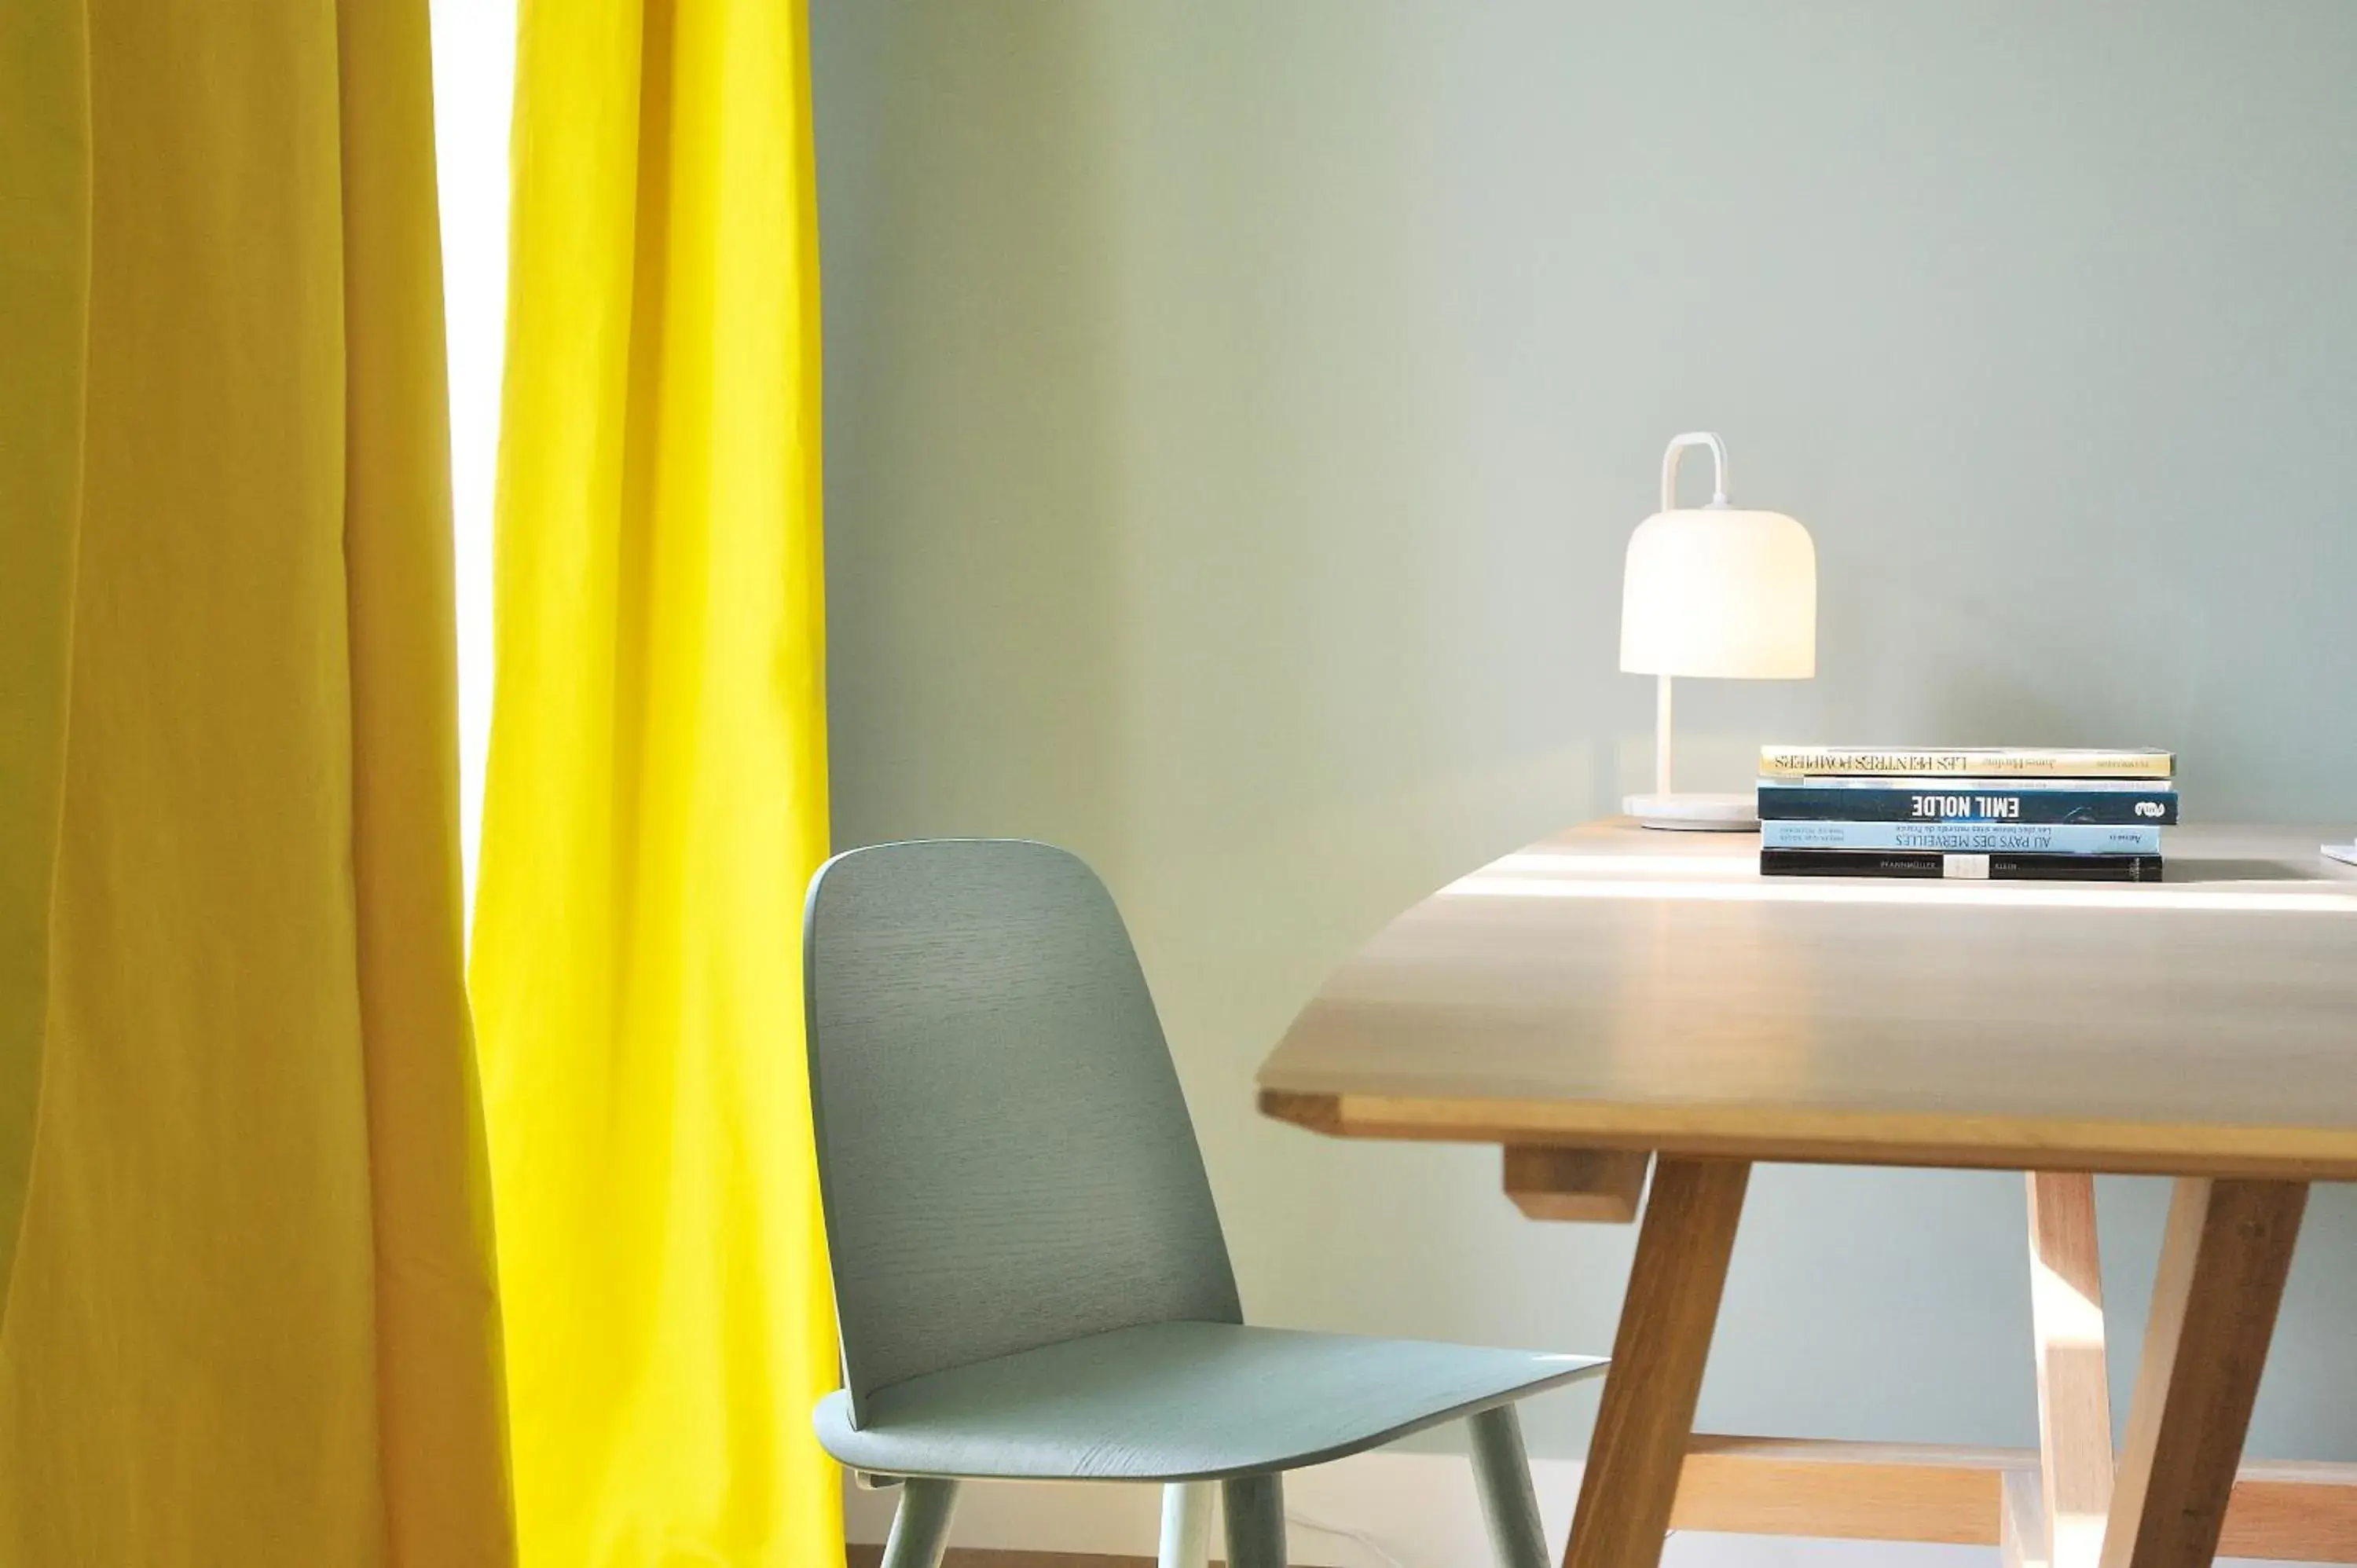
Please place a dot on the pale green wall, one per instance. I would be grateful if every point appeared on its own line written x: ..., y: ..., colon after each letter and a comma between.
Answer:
x: 1235, y: 413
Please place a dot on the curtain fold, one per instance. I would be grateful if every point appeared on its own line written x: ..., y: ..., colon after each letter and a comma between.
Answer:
x: 44, y: 301
x: 656, y: 795
x: 250, y: 1316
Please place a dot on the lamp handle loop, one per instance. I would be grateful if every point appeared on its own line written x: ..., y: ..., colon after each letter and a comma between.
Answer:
x: 1678, y: 445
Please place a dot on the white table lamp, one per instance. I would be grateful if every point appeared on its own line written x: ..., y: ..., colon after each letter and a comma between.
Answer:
x: 1719, y: 592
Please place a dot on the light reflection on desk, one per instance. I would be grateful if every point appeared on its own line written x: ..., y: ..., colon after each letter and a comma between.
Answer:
x: 1735, y: 878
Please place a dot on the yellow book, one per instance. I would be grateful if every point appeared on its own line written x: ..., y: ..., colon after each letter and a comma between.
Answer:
x: 1968, y: 762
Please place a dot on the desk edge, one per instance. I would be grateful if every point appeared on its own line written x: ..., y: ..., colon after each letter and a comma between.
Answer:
x: 1806, y: 1136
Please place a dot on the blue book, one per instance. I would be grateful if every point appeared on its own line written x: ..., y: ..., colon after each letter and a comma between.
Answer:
x: 1995, y: 801
x: 1967, y: 838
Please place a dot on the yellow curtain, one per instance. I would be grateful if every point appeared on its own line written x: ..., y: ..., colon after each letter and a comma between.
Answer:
x: 657, y: 795
x: 250, y: 1318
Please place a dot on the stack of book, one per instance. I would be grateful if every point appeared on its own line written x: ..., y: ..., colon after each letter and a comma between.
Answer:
x: 1999, y: 813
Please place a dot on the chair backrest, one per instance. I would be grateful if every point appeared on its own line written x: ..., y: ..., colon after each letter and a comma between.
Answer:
x: 1005, y: 1154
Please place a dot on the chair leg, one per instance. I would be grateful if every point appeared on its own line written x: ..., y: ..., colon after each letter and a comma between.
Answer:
x: 921, y: 1527
x: 1255, y: 1521
x: 1186, y: 1525
x: 1508, y: 1502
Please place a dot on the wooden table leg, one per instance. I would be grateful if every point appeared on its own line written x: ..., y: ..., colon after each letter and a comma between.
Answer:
x: 2021, y: 1533
x: 2074, y: 1398
x: 1666, y: 1318
x: 2223, y: 1260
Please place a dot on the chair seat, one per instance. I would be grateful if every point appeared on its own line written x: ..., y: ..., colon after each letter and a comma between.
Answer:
x: 1178, y: 1402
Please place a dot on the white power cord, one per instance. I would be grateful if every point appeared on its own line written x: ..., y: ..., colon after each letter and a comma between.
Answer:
x: 1357, y: 1538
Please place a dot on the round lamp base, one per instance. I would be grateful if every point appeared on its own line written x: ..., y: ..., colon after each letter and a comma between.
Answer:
x: 1694, y: 812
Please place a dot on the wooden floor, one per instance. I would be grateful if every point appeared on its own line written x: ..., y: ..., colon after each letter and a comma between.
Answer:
x: 869, y: 1556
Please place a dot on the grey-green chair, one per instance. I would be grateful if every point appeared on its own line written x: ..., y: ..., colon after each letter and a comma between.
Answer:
x: 1029, y: 1273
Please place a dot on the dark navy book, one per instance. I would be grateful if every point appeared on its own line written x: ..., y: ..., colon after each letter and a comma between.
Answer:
x: 1973, y: 867
x: 1994, y: 802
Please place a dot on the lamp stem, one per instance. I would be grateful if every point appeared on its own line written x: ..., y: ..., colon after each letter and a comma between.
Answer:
x: 1661, y: 735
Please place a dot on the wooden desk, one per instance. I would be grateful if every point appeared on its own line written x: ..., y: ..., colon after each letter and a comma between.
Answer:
x: 1610, y: 994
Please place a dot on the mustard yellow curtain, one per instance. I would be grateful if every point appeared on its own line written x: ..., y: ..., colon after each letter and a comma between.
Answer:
x: 250, y: 1318
x: 657, y: 792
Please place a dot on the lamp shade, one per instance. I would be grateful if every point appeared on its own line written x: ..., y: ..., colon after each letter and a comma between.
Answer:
x: 1717, y: 591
